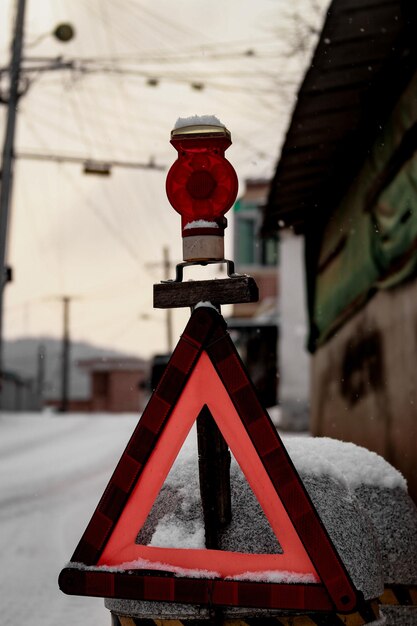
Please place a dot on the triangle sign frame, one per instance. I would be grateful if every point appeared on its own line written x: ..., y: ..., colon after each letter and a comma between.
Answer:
x: 205, y: 370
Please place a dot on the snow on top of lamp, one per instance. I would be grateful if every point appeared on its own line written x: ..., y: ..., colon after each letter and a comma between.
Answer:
x: 197, y: 120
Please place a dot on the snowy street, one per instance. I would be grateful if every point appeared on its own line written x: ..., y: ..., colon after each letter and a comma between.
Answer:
x: 53, y: 470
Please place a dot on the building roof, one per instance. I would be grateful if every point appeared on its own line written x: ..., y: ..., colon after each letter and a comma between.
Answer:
x: 114, y: 364
x: 363, y: 60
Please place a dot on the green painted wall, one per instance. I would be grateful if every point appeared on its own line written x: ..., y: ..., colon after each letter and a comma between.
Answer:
x: 370, y: 242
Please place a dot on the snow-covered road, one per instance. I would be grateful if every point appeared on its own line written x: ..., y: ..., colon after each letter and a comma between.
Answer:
x: 53, y: 470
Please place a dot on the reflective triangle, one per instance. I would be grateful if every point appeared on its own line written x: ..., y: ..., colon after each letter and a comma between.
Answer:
x: 204, y: 387
x: 205, y: 370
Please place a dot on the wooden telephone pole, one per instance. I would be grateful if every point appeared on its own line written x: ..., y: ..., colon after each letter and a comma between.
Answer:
x: 8, y: 154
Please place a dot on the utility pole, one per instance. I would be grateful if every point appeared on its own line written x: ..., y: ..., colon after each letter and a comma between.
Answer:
x: 8, y: 154
x: 40, y: 375
x: 65, y: 365
x: 167, y: 275
x: 63, y: 32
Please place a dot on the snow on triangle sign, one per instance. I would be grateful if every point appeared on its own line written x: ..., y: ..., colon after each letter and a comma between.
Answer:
x: 206, y: 371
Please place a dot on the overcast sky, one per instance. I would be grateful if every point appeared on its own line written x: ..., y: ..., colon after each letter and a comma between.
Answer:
x: 99, y: 239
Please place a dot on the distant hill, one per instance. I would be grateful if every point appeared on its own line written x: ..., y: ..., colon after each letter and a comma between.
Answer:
x: 21, y: 357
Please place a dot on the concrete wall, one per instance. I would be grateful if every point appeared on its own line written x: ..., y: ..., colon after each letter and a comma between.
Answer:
x: 364, y: 380
x: 294, y: 366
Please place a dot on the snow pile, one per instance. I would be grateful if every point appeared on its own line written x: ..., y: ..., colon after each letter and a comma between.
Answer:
x: 176, y: 518
x: 377, y: 491
x: 201, y: 224
x: 169, y: 535
x: 331, y: 471
x: 275, y: 577
x: 181, y: 524
x: 361, y: 500
x: 197, y: 120
x: 146, y: 565
x: 344, y: 461
x: 206, y: 304
x: 250, y: 532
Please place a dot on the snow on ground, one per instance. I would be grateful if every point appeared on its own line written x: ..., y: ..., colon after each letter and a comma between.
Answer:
x: 53, y: 470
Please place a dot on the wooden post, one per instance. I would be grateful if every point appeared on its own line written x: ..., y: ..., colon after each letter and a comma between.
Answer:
x: 218, y: 291
x: 214, y: 474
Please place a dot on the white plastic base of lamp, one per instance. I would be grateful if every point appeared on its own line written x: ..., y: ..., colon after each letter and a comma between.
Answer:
x: 203, y: 248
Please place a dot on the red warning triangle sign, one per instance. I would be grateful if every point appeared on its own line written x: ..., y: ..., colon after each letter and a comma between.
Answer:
x: 204, y: 388
x: 206, y: 371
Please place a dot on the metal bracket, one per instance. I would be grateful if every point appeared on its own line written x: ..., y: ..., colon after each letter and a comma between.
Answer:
x: 180, y: 269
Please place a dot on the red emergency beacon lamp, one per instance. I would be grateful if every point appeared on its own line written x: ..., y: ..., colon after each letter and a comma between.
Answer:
x: 202, y: 186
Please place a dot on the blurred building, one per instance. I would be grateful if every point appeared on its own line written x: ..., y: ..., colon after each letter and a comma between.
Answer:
x: 117, y: 385
x: 347, y: 183
x: 254, y: 326
x: 100, y: 379
x: 18, y: 393
x: 253, y: 254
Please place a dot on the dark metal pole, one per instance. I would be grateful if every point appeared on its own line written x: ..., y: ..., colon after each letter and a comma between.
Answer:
x: 65, y: 357
x: 40, y: 377
x: 8, y: 153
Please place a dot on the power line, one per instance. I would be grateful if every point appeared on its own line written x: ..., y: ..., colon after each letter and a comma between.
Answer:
x: 118, y: 235
x: 185, y: 56
x: 79, y: 116
x: 62, y: 158
x: 220, y: 50
x: 153, y: 78
x: 198, y: 83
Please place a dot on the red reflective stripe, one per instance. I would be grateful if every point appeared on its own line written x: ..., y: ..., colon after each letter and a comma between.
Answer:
x: 144, y: 586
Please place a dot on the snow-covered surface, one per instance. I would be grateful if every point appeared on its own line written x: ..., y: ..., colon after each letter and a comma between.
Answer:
x: 276, y: 577
x: 250, y: 530
x: 53, y: 470
x: 145, y: 564
x: 205, y: 303
x: 197, y: 120
x: 182, y: 524
x: 200, y: 224
x: 345, y: 461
